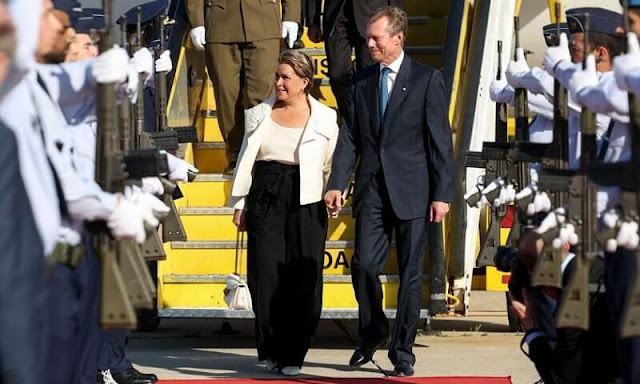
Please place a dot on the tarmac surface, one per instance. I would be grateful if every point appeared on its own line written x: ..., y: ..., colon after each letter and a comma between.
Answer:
x: 477, y: 345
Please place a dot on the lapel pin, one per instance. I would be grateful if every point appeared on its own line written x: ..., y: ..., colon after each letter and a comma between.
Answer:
x: 404, y: 89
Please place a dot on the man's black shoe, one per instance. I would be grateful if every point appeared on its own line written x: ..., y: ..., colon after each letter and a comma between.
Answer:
x: 150, y: 376
x: 131, y: 376
x: 403, y: 368
x: 363, y: 354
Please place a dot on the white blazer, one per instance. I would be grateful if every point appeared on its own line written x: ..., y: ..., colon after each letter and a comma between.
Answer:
x: 317, y: 144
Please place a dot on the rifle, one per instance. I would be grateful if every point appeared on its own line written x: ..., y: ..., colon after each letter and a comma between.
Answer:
x: 493, y: 168
x: 116, y: 310
x: 494, y: 159
x: 522, y: 106
x: 172, y: 228
x: 152, y: 248
x: 573, y: 310
x: 548, y: 265
x: 491, y: 159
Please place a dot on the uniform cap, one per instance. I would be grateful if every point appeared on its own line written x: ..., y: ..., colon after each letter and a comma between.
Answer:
x: 600, y: 20
x: 149, y: 12
x: 550, y: 34
x: 92, y: 18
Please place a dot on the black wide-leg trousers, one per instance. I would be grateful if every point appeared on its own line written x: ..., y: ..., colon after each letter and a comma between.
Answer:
x: 285, y: 255
x: 375, y: 224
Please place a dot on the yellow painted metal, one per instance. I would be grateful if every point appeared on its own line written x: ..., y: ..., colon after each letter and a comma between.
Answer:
x: 212, y: 131
x: 324, y: 94
x: 195, y: 261
x: 220, y: 227
x: 518, y: 7
x: 207, y: 193
x: 460, y: 59
x: 210, y: 160
x: 336, y: 295
x: 494, y: 280
x: 552, y: 11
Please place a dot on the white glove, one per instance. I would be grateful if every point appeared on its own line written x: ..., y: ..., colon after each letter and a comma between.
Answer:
x: 152, y: 185
x: 585, y: 78
x: 628, y: 63
x: 526, y: 192
x: 178, y: 169
x: 483, y: 202
x: 198, y: 37
x: 131, y: 86
x: 151, y: 208
x: 472, y: 192
x: 555, y: 55
x: 610, y: 218
x: 533, y: 174
x: 164, y: 64
x: 627, y: 237
x: 552, y: 220
x: 499, y: 91
x: 541, y: 203
x: 516, y: 69
x: 568, y: 234
x: 611, y: 246
x: 142, y: 61
x: 495, y: 184
x: 510, y: 194
x: 290, y: 32
x: 126, y: 222
x: 112, y: 66
x: 69, y: 236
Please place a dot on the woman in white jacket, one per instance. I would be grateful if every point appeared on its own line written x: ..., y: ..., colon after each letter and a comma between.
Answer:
x: 278, y: 186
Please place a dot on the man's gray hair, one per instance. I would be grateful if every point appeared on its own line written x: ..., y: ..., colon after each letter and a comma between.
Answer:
x: 398, y: 21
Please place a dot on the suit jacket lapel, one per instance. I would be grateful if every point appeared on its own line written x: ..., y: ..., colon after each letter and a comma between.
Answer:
x: 400, y: 88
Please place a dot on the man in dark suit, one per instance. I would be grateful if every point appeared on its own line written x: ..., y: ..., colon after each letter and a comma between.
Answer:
x: 344, y: 28
x: 397, y: 125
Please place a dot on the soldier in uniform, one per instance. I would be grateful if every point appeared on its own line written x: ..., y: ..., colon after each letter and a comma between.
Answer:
x: 21, y: 265
x: 241, y: 39
x: 502, y: 91
x: 107, y: 348
x: 37, y: 97
x: 608, y: 94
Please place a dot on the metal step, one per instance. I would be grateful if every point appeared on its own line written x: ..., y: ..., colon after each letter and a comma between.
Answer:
x: 194, y: 279
x: 228, y: 211
x: 213, y: 177
x: 226, y: 313
x: 330, y: 244
x: 210, y: 145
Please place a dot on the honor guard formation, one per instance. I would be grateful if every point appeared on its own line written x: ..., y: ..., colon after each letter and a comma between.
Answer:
x: 95, y: 177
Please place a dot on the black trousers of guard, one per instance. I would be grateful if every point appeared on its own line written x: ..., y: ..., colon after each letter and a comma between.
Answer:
x: 620, y: 270
x: 375, y: 224
x: 285, y: 255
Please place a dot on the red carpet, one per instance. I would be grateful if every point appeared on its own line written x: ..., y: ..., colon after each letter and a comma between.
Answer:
x: 411, y: 380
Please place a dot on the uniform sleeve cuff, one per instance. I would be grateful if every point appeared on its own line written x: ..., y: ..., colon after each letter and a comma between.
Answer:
x: 532, y: 336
